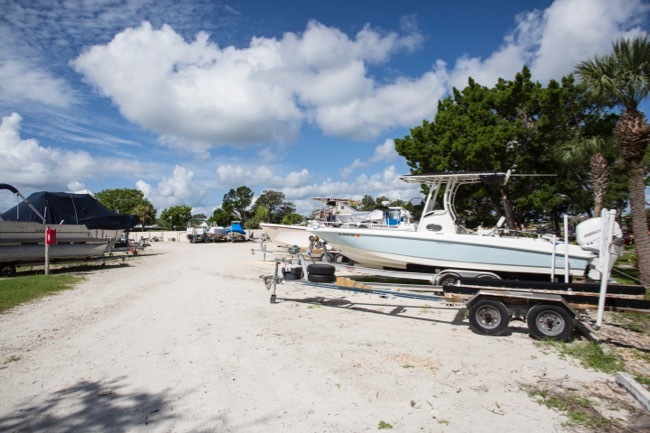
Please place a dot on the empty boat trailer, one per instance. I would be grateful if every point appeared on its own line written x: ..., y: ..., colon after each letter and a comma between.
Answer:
x: 551, y: 309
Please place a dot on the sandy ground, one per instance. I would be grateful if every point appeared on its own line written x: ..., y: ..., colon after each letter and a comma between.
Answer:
x: 184, y: 339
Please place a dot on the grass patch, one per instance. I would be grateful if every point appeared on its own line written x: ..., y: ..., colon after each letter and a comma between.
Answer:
x: 383, y: 425
x: 578, y: 410
x: 635, y: 322
x: 18, y: 290
x: 625, y: 269
x: 589, y: 354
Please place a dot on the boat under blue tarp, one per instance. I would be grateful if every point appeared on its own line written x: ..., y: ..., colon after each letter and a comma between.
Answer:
x: 68, y: 208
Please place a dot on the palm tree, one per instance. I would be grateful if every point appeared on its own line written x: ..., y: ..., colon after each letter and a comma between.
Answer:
x: 622, y: 78
x: 145, y: 212
x: 598, y: 151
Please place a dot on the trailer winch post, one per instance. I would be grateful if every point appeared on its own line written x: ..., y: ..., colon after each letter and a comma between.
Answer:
x: 554, y: 243
x: 566, y: 248
x: 606, y: 236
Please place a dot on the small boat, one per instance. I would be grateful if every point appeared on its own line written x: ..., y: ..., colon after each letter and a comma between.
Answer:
x: 236, y: 232
x: 84, y: 229
x: 441, y: 243
x: 217, y: 233
x: 338, y: 212
x: 197, y: 230
x: 286, y: 235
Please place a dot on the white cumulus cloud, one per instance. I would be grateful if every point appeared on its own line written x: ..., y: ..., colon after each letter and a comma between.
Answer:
x: 206, y: 95
x: 177, y: 189
x: 27, y: 164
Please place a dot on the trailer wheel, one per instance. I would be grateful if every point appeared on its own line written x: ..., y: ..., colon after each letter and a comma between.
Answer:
x: 8, y: 271
x: 550, y: 321
x: 315, y: 278
x: 489, y: 317
x: 320, y: 269
x: 327, y: 257
x: 340, y: 258
x: 448, y: 279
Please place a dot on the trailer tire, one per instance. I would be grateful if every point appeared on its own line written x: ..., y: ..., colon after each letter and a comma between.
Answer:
x: 327, y: 257
x: 320, y: 269
x: 489, y: 317
x: 550, y: 321
x: 8, y: 270
x: 448, y: 279
x: 316, y: 278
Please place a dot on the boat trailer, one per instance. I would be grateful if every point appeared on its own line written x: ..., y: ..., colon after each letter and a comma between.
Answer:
x: 550, y: 309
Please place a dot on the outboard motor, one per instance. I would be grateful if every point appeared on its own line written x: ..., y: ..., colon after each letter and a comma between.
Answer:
x: 589, y: 236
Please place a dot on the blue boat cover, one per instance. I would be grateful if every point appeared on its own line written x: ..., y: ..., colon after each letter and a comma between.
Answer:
x: 236, y: 227
x: 68, y: 208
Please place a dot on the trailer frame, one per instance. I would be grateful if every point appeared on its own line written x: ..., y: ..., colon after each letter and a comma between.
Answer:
x: 490, y: 309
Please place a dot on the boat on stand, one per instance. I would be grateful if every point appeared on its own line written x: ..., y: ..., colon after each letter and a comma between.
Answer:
x: 441, y: 245
x: 337, y: 212
x: 84, y: 229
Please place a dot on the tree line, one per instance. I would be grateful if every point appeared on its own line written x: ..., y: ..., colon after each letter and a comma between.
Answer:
x: 237, y: 205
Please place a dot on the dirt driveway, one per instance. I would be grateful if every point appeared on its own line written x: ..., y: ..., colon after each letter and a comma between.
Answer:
x: 184, y: 339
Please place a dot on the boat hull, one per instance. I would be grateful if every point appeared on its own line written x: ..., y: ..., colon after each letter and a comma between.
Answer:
x: 413, y: 250
x: 287, y: 235
x: 217, y: 233
x: 24, y: 242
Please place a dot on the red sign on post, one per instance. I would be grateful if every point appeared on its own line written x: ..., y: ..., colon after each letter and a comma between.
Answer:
x: 50, y: 236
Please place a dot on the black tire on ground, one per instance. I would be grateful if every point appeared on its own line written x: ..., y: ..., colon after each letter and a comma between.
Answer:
x: 489, y: 317
x: 550, y: 321
x: 320, y: 269
x: 8, y: 270
x: 340, y: 258
x: 327, y: 257
x: 316, y: 278
x: 448, y: 279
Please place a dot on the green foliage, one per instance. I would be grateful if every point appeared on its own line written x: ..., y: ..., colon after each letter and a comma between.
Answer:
x: 123, y: 200
x: 18, y: 290
x: 367, y: 203
x: 274, y: 202
x: 261, y: 215
x: 622, y: 79
x: 237, y: 201
x: 292, y: 218
x: 635, y: 322
x: 220, y: 217
x: 514, y: 125
x: 578, y: 409
x: 175, y: 217
x: 145, y: 211
x: 383, y: 425
x: 589, y: 354
x: 128, y: 202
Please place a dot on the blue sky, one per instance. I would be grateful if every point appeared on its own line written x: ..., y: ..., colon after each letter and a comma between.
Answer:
x: 186, y: 100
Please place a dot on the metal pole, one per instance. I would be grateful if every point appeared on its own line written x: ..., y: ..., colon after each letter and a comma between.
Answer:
x: 566, y: 248
x: 47, y: 253
x: 554, y: 240
x: 607, y: 233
